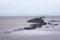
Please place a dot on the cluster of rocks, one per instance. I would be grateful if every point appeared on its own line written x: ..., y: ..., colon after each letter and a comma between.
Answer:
x: 37, y: 23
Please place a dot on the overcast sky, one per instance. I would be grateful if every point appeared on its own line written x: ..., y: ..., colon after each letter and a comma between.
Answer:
x: 29, y: 7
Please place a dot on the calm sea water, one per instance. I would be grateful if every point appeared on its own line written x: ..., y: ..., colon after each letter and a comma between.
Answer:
x: 9, y: 23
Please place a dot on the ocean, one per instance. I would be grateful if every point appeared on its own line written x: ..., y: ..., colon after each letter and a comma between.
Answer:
x: 15, y: 22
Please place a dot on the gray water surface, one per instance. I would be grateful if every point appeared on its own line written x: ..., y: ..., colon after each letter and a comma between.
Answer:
x: 11, y: 23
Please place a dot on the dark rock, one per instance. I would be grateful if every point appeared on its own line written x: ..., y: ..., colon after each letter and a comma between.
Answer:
x: 52, y: 21
x: 49, y: 23
x: 55, y: 24
x: 39, y: 23
x: 34, y: 25
x: 29, y: 28
x: 44, y: 23
x: 36, y: 20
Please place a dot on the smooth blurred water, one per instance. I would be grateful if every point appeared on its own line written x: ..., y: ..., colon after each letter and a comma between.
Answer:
x: 44, y: 33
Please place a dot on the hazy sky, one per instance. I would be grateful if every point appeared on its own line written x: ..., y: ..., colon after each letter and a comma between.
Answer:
x: 29, y: 7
